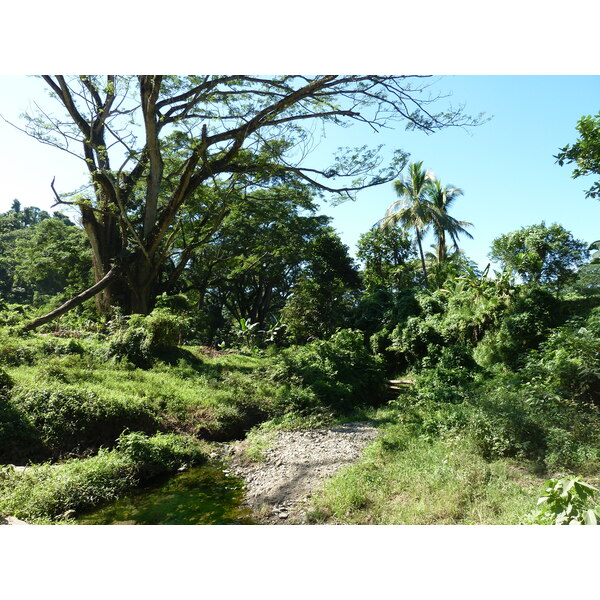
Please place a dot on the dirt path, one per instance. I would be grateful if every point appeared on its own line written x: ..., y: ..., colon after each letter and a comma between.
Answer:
x: 296, y: 463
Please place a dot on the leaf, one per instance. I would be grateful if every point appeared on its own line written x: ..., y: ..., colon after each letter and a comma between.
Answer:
x: 566, y: 485
x: 589, y: 517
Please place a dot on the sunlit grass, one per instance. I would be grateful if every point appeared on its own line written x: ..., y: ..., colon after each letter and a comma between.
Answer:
x: 405, y: 479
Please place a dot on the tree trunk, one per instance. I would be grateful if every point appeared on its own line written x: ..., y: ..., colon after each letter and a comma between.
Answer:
x: 422, y: 256
x: 142, y: 285
x: 107, y: 245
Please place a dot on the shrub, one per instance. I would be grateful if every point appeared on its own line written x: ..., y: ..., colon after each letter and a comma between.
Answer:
x: 6, y: 383
x: 59, y: 347
x: 138, y: 337
x: 159, y: 453
x: 340, y: 371
x: 417, y: 338
x: 15, y: 351
x: 72, y: 420
x: 569, y: 362
x: 525, y: 326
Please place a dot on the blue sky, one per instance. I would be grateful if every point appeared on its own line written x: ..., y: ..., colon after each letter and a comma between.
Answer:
x: 505, y: 166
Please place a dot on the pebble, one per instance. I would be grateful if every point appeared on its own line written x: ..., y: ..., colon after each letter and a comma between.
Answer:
x: 298, y: 463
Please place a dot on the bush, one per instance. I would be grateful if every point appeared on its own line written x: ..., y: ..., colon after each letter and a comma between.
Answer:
x: 159, y: 453
x: 526, y: 324
x: 6, y: 383
x: 503, y: 427
x: 58, y: 347
x: 138, y: 337
x: 70, y: 420
x: 15, y: 352
x: 569, y: 362
x: 341, y: 371
x: 417, y: 338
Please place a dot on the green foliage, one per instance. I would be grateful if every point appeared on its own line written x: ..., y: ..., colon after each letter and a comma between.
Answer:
x: 138, y: 337
x: 41, y: 256
x: 324, y: 296
x: 54, y: 260
x: 525, y: 324
x: 6, y: 383
x: 15, y: 350
x: 388, y: 257
x: 569, y: 361
x: 418, y: 338
x: 588, y: 281
x: 247, y: 271
x: 70, y: 420
x: 175, y: 303
x: 566, y: 501
x: 46, y: 492
x: 314, y: 311
x: 502, y: 424
x: 341, y: 371
x: 540, y: 254
x: 161, y: 452
x: 585, y: 152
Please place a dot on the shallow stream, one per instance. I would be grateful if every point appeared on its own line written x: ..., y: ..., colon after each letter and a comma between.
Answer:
x: 200, y: 496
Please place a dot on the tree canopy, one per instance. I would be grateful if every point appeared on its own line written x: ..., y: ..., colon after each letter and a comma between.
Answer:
x: 585, y: 152
x: 540, y: 254
x: 154, y: 144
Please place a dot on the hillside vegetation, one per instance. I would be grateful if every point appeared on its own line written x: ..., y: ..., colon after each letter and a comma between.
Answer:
x: 194, y: 295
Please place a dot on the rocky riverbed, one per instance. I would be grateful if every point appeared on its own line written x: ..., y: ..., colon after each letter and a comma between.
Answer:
x: 292, y: 465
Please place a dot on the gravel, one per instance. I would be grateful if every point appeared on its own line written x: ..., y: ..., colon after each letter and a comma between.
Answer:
x: 295, y: 465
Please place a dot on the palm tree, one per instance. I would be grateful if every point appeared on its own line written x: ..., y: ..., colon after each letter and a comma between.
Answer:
x: 442, y: 198
x: 413, y: 209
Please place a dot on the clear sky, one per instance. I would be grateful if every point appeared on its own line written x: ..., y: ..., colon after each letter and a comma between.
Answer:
x: 505, y: 166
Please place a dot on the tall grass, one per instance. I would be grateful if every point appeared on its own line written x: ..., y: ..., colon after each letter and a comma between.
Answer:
x: 407, y: 479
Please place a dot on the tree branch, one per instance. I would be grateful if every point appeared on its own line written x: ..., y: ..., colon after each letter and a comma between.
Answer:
x: 70, y: 304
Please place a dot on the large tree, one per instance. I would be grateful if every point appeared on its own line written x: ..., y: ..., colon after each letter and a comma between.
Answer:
x: 540, y: 254
x: 249, y: 267
x: 585, y: 152
x: 413, y: 209
x: 41, y: 255
x: 443, y: 197
x: 388, y: 258
x: 325, y: 294
x: 152, y: 143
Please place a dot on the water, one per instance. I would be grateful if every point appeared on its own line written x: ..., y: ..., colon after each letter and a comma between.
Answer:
x: 200, y: 496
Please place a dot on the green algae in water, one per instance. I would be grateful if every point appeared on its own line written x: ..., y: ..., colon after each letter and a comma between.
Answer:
x: 201, y: 496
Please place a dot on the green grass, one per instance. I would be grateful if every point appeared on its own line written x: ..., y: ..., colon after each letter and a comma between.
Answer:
x: 46, y: 493
x: 411, y: 480
x: 65, y: 404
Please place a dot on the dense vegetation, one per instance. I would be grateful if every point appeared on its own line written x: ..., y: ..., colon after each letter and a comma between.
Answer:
x: 258, y: 317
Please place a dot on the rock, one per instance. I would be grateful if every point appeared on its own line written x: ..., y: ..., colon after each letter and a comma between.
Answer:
x: 12, y: 521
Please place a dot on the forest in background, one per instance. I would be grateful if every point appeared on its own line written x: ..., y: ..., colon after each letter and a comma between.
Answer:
x: 219, y: 304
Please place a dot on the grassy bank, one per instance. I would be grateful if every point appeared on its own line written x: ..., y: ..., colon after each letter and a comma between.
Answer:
x: 405, y: 479
x: 46, y: 493
x: 74, y: 410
